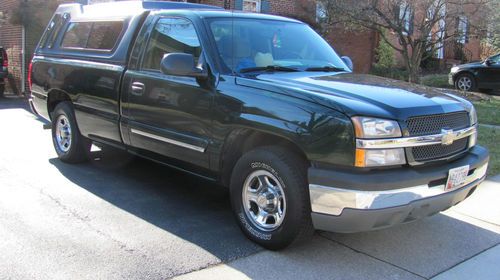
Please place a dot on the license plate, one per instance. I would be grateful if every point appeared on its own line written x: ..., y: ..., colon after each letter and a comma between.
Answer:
x: 456, y: 177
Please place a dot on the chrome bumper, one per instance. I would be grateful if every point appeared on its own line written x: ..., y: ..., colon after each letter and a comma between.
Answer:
x: 333, y: 201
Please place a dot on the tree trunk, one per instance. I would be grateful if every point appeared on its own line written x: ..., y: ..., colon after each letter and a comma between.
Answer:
x: 413, y: 76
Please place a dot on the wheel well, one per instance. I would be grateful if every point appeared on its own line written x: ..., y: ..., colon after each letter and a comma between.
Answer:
x: 54, y: 98
x: 462, y: 73
x: 241, y: 141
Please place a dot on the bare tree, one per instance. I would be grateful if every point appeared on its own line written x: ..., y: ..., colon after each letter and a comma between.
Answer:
x: 414, y: 28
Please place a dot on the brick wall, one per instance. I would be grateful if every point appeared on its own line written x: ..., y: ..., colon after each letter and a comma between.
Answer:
x: 10, y: 39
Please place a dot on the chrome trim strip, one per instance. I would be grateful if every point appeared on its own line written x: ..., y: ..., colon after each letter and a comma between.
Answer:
x: 80, y: 63
x: 332, y: 201
x: 416, y: 141
x: 168, y: 140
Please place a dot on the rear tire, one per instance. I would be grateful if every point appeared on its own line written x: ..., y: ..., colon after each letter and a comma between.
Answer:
x: 270, y: 197
x: 2, y: 90
x: 70, y: 145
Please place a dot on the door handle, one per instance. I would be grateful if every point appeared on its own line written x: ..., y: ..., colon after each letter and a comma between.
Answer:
x: 137, y: 88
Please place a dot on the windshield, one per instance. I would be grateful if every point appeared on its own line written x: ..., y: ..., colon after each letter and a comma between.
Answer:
x: 247, y: 45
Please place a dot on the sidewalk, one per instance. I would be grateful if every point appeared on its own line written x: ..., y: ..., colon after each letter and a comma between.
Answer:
x: 461, y: 243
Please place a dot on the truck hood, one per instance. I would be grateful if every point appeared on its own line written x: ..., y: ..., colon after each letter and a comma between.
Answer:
x: 359, y: 94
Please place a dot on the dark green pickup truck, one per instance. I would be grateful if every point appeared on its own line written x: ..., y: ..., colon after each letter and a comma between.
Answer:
x: 260, y: 104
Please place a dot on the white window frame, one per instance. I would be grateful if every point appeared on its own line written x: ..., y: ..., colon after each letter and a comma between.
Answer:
x: 463, y: 23
x: 405, y: 15
x: 258, y: 5
x: 321, y: 13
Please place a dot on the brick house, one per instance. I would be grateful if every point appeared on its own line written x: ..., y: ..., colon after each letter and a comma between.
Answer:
x: 360, y: 46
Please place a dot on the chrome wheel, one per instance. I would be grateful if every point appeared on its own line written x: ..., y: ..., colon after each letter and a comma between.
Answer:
x: 464, y: 83
x: 264, y: 200
x: 63, y: 133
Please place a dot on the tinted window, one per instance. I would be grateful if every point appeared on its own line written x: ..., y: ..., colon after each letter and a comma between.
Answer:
x: 171, y: 35
x: 76, y: 35
x: 247, y: 43
x: 53, y: 29
x: 92, y: 35
x: 104, y: 35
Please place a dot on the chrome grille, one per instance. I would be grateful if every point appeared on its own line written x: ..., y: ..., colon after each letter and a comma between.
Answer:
x: 432, y: 124
x: 432, y: 152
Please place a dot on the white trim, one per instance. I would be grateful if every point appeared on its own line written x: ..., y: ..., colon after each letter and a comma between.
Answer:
x: 168, y: 140
x: 258, y: 5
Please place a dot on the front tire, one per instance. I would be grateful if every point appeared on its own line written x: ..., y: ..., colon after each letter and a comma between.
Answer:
x: 270, y: 198
x: 465, y: 82
x: 2, y: 90
x: 70, y: 145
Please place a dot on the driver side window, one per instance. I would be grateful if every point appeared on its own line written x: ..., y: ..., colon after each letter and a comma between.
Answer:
x: 171, y: 35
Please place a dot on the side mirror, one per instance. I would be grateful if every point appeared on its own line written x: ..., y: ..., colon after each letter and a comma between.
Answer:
x: 347, y: 60
x: 488, y: 62
x: 181, y: 64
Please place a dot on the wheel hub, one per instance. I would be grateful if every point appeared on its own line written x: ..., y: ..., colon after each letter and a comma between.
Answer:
x: 63, y: 133
x: 264, y: 200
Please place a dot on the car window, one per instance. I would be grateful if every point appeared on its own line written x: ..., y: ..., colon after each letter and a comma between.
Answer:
x: 171, y: 35
x: 100, y: 35
x: 76, y: 35
x: 495, y: 59
x: 247, y: 43
x: 104, y: 35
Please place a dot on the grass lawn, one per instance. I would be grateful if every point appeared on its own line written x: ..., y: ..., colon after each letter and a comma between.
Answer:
x: 489, y: 138
x: 436, y: 80
x: 488, y: 111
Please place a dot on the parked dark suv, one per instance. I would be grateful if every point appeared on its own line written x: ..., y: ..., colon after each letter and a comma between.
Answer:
x: 260, y: 104
x: 483, y: 76
x: 4, y: 69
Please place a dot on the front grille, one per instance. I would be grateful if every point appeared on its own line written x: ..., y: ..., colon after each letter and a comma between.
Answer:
x: 432, y: 124
x: 432, y: 152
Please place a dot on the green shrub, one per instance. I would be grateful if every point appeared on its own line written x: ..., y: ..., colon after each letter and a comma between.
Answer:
x: 384, y: 55
x: 390, y: 72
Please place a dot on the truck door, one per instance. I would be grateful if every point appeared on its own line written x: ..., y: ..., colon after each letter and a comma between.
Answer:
x: 168, y: 115
x: 491, y: 73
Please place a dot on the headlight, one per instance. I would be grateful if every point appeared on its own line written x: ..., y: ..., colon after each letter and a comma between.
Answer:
x: 387, y: 157
x: 454, y: 69
x: 473, y: 116
x: 366, y: 127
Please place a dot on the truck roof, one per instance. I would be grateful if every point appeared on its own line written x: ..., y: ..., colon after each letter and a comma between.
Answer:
x: 127, y: 8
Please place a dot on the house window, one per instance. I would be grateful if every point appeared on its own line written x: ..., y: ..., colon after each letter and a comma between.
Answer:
x: 462, y: 30
x: 320, y: 12
x: 252, y: 6
x: 405, y: 15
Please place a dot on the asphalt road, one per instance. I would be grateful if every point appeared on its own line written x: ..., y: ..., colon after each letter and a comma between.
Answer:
x: 115, y: 217
x: 119, y: 217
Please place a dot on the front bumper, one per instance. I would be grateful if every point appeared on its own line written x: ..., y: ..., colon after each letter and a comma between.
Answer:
x: 353, y: 201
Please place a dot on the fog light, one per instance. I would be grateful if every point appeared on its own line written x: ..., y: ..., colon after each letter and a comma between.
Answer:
x: 370, y: 158
x: 473, y: 140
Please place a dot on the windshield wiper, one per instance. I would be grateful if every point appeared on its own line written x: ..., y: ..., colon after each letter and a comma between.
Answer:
x: 269, y: 68
x: 326, y: 69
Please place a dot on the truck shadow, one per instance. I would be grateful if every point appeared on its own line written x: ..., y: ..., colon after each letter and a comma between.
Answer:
x: 199, y: 212
x: 193, y: 209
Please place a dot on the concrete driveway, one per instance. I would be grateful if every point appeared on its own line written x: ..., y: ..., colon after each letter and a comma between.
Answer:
x: 118, y: 217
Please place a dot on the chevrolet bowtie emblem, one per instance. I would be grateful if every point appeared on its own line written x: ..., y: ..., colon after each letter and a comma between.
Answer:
x: 448, y: 137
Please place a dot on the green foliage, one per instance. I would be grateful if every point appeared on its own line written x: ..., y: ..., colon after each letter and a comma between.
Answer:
x: 390, y: 72
x: 384, y: 55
